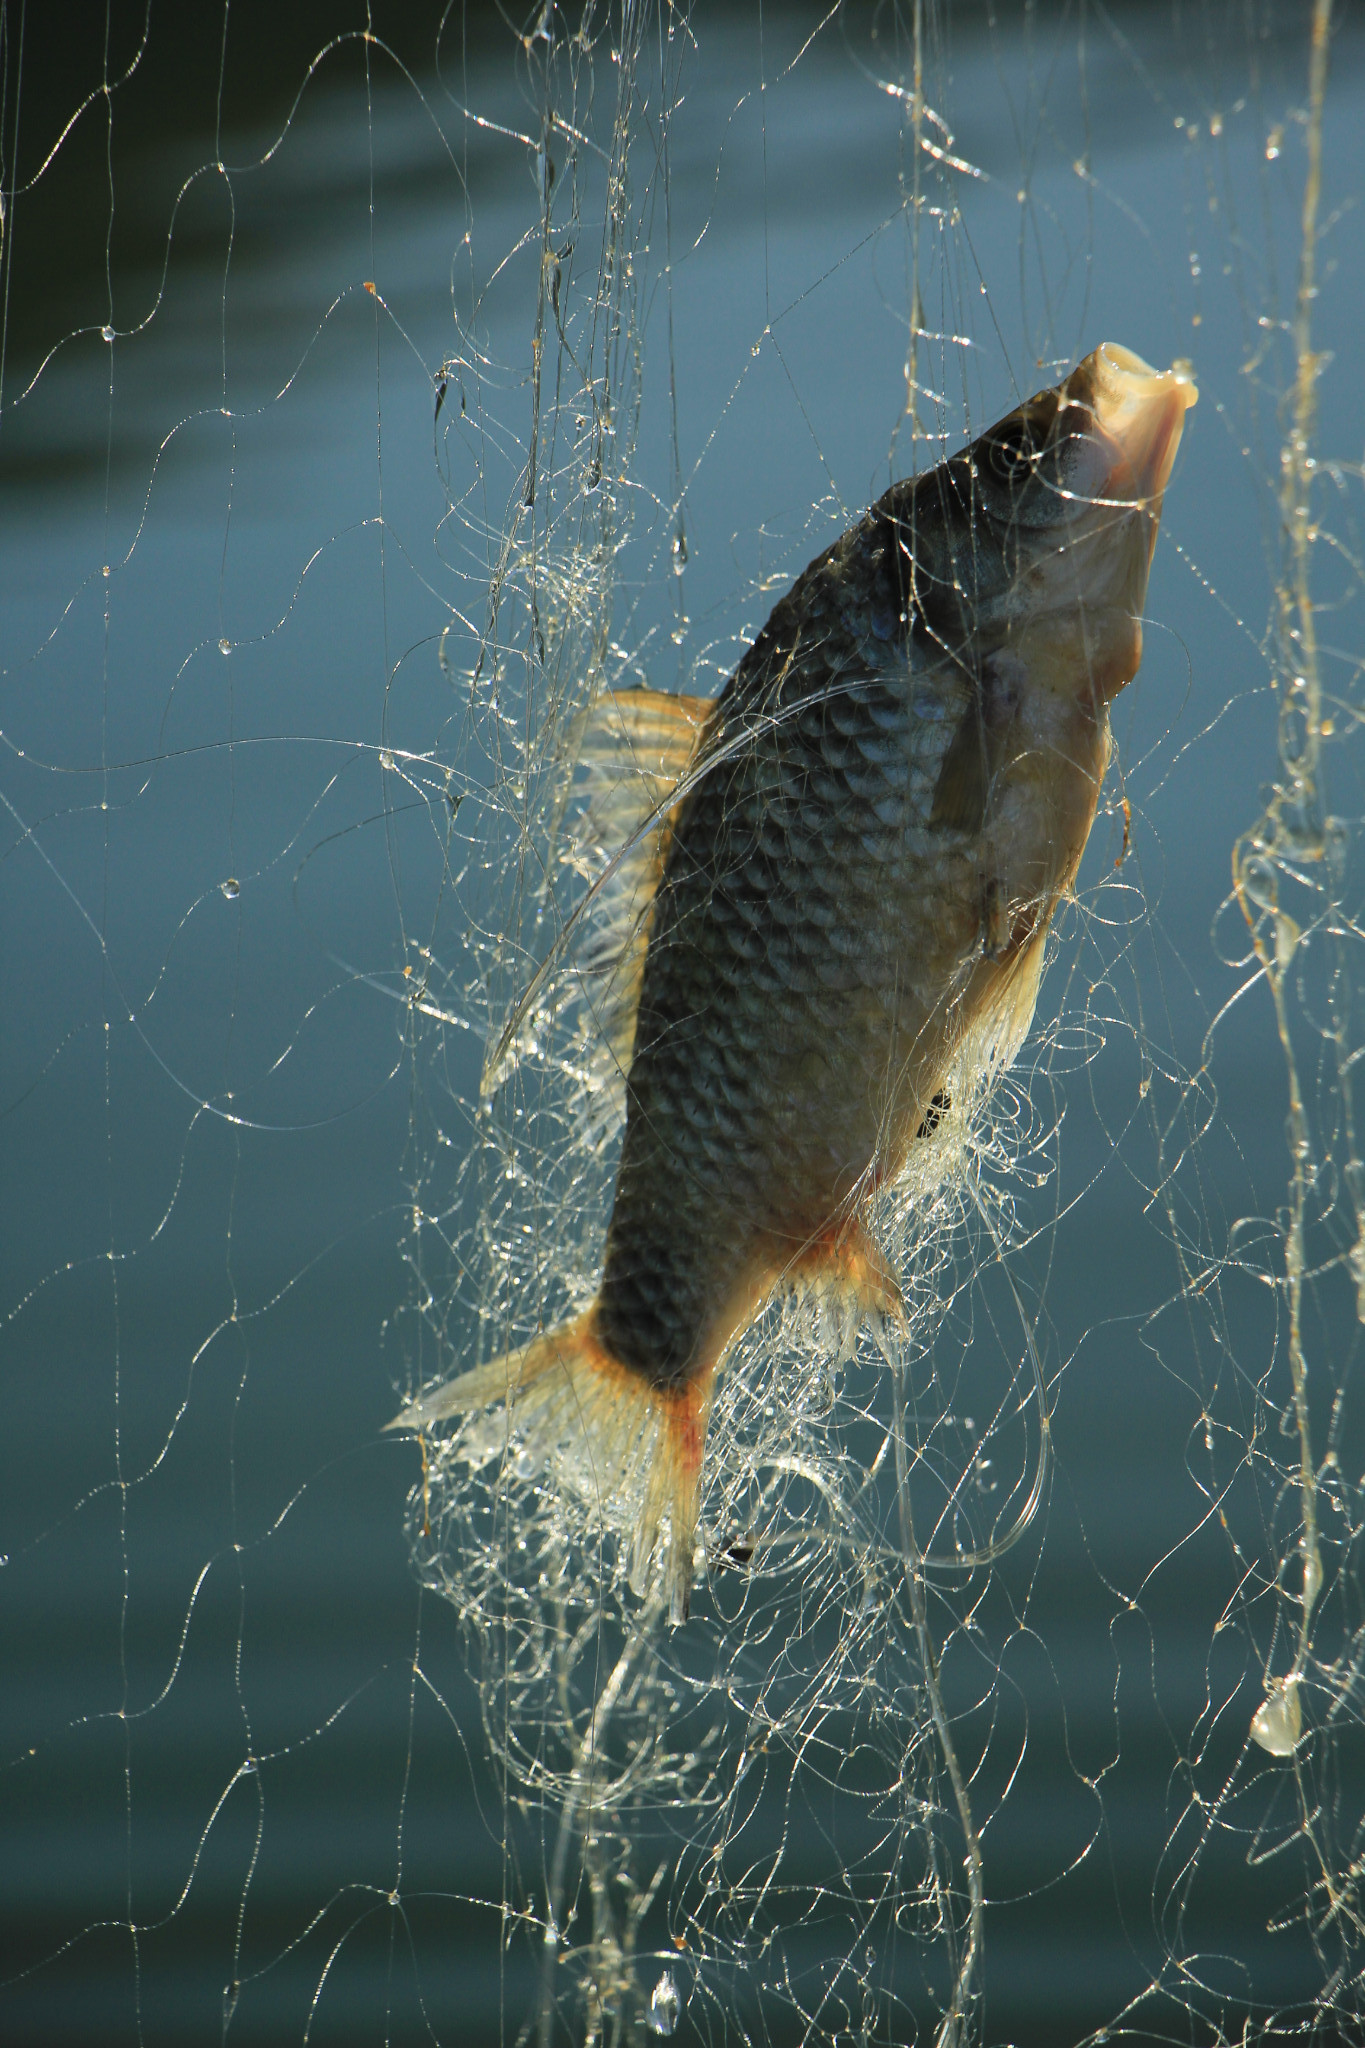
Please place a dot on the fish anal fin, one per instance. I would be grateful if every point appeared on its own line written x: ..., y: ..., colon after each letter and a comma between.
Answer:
x: 846, y: 1269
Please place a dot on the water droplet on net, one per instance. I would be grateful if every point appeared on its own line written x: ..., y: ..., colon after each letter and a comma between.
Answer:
x: 1357, y: 1263
x: 225, y: 647
x: 664, y: 2004
x: 106, y: 333
x: 1277, y: 1726
x: 231, y: 888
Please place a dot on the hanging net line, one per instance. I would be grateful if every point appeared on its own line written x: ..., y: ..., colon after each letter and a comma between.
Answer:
x: 436, y: 447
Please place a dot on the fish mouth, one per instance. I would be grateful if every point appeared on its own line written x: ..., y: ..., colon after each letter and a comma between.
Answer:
x: 1141, y: 413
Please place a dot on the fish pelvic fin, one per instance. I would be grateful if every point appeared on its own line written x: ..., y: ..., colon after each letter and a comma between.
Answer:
x: 631, y: 1449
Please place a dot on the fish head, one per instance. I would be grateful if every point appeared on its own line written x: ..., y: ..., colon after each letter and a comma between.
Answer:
x: 1044, y: 527
x: 1072, y: 481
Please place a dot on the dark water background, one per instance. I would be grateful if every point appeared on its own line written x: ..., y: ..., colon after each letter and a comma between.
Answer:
x: 209, y: 1720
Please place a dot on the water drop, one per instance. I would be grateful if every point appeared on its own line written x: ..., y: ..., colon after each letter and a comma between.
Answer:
x: 107, y: 333
x: 1287, y: 937
x: 231, y: 888
x: 1278, y: 1723
x: 225, y: 647
x: 1357, y: 1261
x: 664, y: 2004
x: 1272, y: 143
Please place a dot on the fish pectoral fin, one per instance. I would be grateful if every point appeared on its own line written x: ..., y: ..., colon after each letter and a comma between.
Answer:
x: 981, y: 744
x: 845, y: 1266
x: 964, y: 778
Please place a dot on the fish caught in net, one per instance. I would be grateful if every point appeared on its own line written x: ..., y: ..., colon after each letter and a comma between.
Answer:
x: 826, y: 1095
x: 832, y: 918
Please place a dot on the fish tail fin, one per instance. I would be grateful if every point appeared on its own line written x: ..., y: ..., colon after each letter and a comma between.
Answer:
x: 635, y: 1449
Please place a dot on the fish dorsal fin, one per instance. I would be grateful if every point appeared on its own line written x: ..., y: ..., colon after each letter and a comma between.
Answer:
x: 629, y: 752
x: 636, y: 747
x: 633, y: 749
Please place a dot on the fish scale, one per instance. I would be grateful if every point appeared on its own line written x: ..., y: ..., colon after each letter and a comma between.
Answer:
x: 830, y: 925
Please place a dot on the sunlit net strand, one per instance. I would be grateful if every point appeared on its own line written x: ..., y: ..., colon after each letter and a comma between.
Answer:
x: 670, y: 1757
x: 535, y: 1528
x: 541, y: 1659
x: 689, y: 1762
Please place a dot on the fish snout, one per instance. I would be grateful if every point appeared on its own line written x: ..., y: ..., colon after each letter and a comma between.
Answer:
x: 1141, y: 414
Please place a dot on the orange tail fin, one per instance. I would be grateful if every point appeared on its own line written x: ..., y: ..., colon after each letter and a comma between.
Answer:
x: 639, y: 1447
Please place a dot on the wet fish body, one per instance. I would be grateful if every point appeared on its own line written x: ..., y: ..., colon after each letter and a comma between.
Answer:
x: 843, y: 918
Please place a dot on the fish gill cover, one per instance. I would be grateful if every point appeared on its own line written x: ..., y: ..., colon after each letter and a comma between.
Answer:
x: 395, y: 415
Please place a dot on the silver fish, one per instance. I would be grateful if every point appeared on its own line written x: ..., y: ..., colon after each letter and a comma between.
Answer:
x: 839, y: 917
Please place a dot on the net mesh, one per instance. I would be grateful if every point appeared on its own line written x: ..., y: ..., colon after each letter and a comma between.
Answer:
x: 376, y: 395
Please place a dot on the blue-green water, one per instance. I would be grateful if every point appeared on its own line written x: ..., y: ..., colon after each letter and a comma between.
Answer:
x: 209, y: 1720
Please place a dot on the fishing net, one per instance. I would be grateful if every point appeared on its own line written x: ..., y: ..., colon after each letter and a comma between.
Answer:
x: 380, y: 399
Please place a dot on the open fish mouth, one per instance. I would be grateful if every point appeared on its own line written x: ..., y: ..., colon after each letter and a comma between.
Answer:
x: 1141, y: 413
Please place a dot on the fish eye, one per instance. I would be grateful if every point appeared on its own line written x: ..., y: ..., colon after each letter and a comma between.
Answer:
x: 1013, y: 455
x: 1016, y: 451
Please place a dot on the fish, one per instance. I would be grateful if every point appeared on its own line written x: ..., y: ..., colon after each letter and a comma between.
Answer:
x: 832, y: 901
